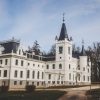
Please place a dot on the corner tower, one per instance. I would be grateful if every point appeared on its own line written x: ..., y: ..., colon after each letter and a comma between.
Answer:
x: 63, y: 51
x: 63, y: 44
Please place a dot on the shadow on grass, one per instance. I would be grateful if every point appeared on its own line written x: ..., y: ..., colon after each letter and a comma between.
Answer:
x: 93, y: 94
x: 36, y: 95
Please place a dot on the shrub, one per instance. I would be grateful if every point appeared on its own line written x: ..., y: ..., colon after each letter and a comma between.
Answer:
x: 30, y: 88
x: 4, y: 88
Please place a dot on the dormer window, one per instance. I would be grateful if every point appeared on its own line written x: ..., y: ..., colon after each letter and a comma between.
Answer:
x: 60, y: 50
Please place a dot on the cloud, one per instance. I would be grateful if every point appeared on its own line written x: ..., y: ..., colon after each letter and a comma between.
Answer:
x: 42, y: 21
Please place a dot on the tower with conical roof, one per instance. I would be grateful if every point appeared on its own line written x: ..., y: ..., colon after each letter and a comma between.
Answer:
x: 63, y: 52
x: 83, y: 53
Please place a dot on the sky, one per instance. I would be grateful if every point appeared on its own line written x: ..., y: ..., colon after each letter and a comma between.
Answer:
x: 41, y: 20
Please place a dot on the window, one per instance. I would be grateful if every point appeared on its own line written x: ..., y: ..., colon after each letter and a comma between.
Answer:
x: 32, y: 83
x: 21, y: 83
x: 78, y: 67
x: 60, y: 50
x: 37, y: 83
x: 53, y: 66
x: 15, y: 74
x: 28, y: 73
x: 5, y: 73
x: 21, y: 74
x: 28, y: 64
x: 0, y: 61
x: 38, y: 75
x: 33, y: 74
x: 47, y: 66
x: 73, y: 77
x: 6, y: 61
x: 49, y: 76
x: 88, y: 70
x: 88, y: 78
x: 33, y: 64
x: 53, y: 82
x: 79, y: 77
x: 19, y: 52
x: 60, y: 66
x: 42, y: 75
x: 58, y: 82
x: 83, y: 68
x: 69, y: 66
x: 0, y: 73
x: 84, y: 78
x: 68, y: 50
x: 49, y: 82
x: 21, y: 62
x: 15, y: 82
x: 42, y: 83
x: 61, y: 82
x: 69, y: 76
x: 16, y: 62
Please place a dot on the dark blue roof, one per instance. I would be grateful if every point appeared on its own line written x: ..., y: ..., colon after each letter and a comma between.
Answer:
x: 10, y: 45
x: 83, y: 53
x: 63, y: 33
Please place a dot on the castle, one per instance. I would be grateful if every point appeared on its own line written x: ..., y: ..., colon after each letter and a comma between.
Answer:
x: 19, y: 68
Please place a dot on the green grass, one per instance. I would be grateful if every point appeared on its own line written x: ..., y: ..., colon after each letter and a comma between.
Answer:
x: 36, y: 95
x: 94, y: 94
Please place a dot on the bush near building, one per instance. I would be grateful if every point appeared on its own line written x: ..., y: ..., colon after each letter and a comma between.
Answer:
x: 30, y: 88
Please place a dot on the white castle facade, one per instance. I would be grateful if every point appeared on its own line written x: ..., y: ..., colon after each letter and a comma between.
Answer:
x: 19, y: 68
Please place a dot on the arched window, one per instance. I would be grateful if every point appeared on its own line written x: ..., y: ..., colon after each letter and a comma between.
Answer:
x: 28, y: 73
x: 69, y: 76
x: 38, y: 73
x: 69, y: 66
x: 16, y: 62
x: 60, y: 50
x: 60, y: 66
x: 33, y: 74
x: 79, y: 77
x: 42, y: 75
x: 84, y: 78
x: 15, y: 74
x: 47, y: 66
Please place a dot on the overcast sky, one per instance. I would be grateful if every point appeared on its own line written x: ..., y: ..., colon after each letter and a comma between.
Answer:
x: 30, y: 20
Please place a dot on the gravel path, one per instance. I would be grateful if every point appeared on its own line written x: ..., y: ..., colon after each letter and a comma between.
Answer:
x: 74, y: 95
x: 77, y: 93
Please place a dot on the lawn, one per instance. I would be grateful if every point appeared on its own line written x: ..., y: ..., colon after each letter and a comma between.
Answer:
x: 36, y: 95
x: 94, y: 94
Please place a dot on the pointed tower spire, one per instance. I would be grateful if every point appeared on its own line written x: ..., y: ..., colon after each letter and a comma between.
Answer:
x: 83, y: 53
x: 63, y: 33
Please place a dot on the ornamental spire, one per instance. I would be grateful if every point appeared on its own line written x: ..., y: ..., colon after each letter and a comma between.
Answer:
x: 63, y: 17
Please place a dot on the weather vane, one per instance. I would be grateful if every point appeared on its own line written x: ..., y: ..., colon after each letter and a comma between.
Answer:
x: 63, y: 17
